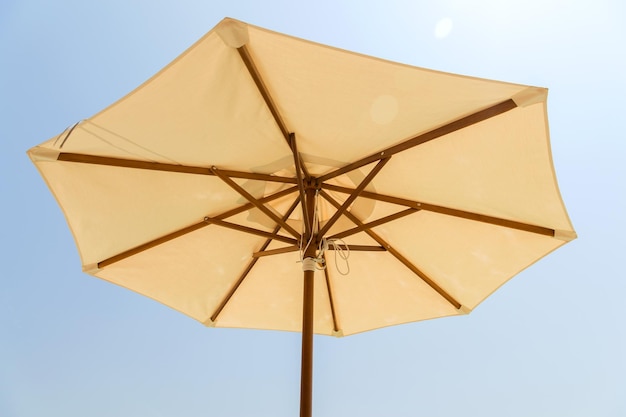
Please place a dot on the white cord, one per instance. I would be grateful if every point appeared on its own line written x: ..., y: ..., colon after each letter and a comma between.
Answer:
x: 341, y: 251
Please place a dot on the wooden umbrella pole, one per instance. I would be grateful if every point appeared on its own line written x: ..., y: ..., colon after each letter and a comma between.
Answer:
x: 306, y: 382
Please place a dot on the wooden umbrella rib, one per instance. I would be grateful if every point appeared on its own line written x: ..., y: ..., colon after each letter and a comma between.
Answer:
x: 423, y: 276
x: 234, y: 289
x: 186, y: 230
x: 397, y: 255
x: 251, y: 265
x: 159, y: 166
x: 258, y: 176
x: 489, y: 219
x: 296, y: 159
x: 511, y: 224
x: 131, y: 163
x: 258, y: 80
x: 459, y: 124
x: 331, y: 301
x: 253, y: 70
x: 151, y: 244
x: 189, y: 229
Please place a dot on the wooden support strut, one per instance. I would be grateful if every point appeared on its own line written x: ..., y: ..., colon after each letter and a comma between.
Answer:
x: 255, y: 201
x: 354, y: 195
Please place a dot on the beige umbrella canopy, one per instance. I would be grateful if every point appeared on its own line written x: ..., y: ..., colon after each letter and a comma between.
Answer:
x: 404, y: 193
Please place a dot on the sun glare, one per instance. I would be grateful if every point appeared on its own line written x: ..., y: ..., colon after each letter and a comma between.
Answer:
x: 443, y: 28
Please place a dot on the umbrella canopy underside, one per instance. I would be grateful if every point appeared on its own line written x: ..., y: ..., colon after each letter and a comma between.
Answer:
x: 189, y: 190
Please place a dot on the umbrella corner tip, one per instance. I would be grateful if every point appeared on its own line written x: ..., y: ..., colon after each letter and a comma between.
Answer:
x: 234, y: 33
x: 337, y: 333
x: 91, y: 269
x: 566, y: 235
x: 530, y: 95
x: 40, y: 153
x: 464, y: 310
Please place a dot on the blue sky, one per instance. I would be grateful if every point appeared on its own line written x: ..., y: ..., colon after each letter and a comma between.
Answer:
x: 551, y: 342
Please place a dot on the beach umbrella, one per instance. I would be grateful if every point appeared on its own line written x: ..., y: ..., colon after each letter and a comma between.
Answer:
x: 267, y: 182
